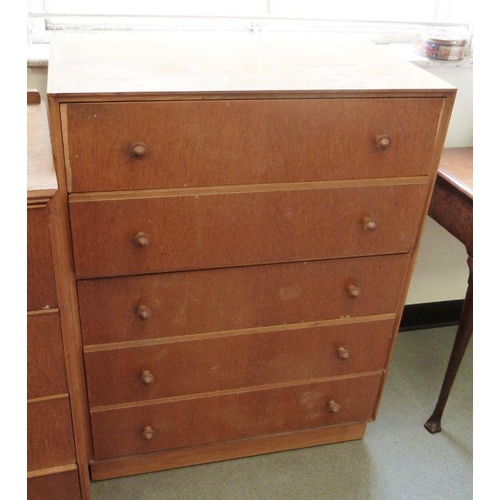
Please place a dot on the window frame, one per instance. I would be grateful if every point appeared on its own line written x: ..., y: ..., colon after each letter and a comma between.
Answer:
x: 41, y: 22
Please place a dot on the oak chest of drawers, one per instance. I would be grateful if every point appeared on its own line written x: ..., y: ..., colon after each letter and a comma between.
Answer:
x: 244, y: 216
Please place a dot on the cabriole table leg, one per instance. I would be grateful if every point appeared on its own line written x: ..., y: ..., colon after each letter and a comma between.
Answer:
x: 462, y: 338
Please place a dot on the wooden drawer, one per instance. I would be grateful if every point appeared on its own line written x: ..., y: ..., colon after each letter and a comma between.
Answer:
x: 60, y: 486
x: 191, y: 302
x: 228, y: 142
x: 41, y: 287
x: 231, y: 416
x: 46, y: 368
x: 50, y: 434
x: 236, y: 361
x: 201, y: 231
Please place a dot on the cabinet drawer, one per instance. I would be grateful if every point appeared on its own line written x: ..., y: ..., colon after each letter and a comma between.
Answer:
x: 50, y: 434
x: 46, y: 369
x: 207, y: 143
x: 201, y: 231
x: 191, y: 302
x: 41, y: 287
x: 60, y: 486
x: 226, y: 417
x: 235, y: 361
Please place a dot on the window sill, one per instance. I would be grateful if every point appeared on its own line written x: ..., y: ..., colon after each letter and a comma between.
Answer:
x: 38, y: 57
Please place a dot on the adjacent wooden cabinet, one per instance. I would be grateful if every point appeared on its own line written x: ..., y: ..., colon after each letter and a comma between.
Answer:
x: 51, y: 449
x: 51, y: 456
x: 242, y: 215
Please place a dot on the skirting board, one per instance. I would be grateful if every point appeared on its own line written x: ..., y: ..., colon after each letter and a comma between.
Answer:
x: 431, y: 315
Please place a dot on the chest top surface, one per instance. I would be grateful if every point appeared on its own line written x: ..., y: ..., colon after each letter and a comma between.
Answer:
x: 180, y: 63
x: 41, y: 176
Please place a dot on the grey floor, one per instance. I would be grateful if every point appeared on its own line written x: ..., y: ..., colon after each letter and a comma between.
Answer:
x: 397, y: 459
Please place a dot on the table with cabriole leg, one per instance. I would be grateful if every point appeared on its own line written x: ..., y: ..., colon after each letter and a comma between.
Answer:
x: 451, y: 207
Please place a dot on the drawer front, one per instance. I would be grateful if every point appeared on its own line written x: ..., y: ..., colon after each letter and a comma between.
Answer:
x: 50, y: 434
x: 133, y: 236
x: 46, y: 369
x: 191, y: 302
x: 236, y: 361
x: 41, y: 286
x: 227, y: 417
x: 120, y: 146
x: 60, y: 486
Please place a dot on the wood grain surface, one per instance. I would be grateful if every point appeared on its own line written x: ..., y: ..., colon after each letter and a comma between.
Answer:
x: 41, y: 283
x: 236, y: 361
x: 57, y: 486
x: 205, y: 143
x: 50, y: 434
x: 217, y: 300
x: 46, y: 367
x: 231, y: 416
x: 232, y: 229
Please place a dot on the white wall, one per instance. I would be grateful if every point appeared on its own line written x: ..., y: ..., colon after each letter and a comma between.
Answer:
x: 441, y: 270
x: 37, y: 79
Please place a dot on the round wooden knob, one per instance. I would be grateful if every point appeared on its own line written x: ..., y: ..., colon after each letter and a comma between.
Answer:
x: 369, y: 224
x: 383, y: 142
x: 333, y: 407
x: 353, y: 291
x: 141, y: 240
x: 148, y: 433
x: 343, y: 353
x: 144, y: 312
x: 138, y: 150
x: 147, y: 378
